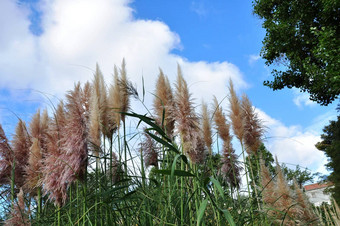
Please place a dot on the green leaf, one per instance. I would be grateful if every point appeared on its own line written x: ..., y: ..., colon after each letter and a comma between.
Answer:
x: 200, y: 212
x: 226, y: 212
x: 218, y: 186
x: 173, y: 167
x: 180, y: 173
x: 228, y: 216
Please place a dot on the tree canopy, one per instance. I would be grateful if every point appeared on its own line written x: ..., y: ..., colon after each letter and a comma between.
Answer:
x: 301, y: 176
x: 303, y: 37
x: 330, y: 144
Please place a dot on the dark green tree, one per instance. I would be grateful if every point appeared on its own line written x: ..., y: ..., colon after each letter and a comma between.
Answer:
x: 330, y: 144
x: 301, y: 176
x: 303, y: 37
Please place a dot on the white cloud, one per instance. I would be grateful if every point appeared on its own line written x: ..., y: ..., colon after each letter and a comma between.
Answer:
x: 199, y: 8
x: 253, y: 58
x: 322, y: 120
x: 79, y: 33
x: 293, y: 144
x: 302, y: 99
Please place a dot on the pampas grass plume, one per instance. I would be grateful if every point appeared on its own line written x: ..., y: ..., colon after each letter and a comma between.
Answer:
x: 95, y: 131
x: 222, y: 126
x: 230, y: 169
x: 164, y: 102
x: 253, y: 130
x: 149, y: 150
x: 125, y: 94
x: 268, y: 186
x: 284, y: 201
x: 306, y: 213
x: 76, y: 136
x: 18, y: 216
x: 187, y: 121
x: 6, y: 158
x: 236, y: 112
x: 116, y: 169
x: 114, y: 103
x: 21, y: 144
x: 54, y: 165
x: 33, y: 168
x: 98, y: 107
x: 206, y: 127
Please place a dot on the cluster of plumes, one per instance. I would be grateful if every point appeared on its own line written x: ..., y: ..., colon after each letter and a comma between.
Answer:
x: 246, y: 125
x: 230, y: 168
x: 53, y: 152
x: 284, y: 205
x: 175, y: 114
x: 150, y: 151
x: 176, y: 111
x: 18, y: 215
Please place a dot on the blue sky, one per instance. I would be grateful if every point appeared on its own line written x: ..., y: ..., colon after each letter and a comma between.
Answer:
x: 48, y: 45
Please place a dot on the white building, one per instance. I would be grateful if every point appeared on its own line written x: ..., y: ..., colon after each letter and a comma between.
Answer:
x: 316, y: 195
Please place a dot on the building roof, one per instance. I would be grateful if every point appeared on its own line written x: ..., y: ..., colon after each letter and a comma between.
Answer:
x: 316, y: 186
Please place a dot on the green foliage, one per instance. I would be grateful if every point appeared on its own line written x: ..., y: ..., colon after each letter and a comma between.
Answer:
x: 330, y: 144
x: 303, y: 36
x: 301, y: 176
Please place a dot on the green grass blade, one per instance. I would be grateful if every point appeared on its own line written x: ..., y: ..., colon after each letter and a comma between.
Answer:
x: 180, y: 173
x: 201, y: 211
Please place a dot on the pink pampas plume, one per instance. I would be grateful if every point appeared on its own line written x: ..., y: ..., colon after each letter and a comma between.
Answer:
x: 38, y: 130
x: 114, y: 103
x: 125, y: 93
x: 68, y: 155
x: 54, y: 163
x: 188, y: 122
x: 163, y: 101
x: 253, y: 130
x: 18, y: 215
x: 235, y: 113
x: 206, y: 127
x: 21, y: 144
x: 149, y: 150
x: 6, y: 158
x: 98, y: 109
x: 306, y: 213
x: 75, y: 143
x: 230, y: 169
x: 116, y: 169
x: 33, y: 170
x: 268, y: 185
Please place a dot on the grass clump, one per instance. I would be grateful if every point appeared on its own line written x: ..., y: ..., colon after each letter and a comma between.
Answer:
x: 83, y: 165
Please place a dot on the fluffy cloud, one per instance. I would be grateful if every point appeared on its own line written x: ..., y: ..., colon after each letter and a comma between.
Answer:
x: 302, y: 99
x: 293, y: 144
x: 79, y: 33
x: 253, y: 58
